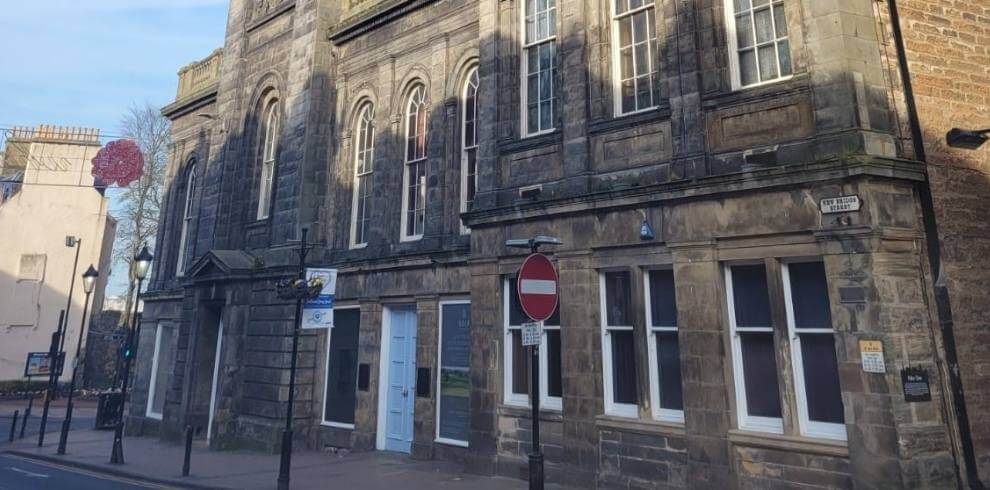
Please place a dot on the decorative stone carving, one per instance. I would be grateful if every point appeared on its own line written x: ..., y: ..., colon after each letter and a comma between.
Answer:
x: 263, y: 7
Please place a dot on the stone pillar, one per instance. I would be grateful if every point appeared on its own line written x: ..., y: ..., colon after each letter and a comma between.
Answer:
x: 427, y: 336
x: 485, y: 367
x: 581, y: 358
x: 705, y: 376
x: 880, y: 296
x: 369, y: 352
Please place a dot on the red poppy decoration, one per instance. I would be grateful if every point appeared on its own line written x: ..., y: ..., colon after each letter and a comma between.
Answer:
x: 119, y: 162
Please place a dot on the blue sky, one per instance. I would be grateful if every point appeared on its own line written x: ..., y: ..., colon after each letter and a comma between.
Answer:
x: 84, y: 62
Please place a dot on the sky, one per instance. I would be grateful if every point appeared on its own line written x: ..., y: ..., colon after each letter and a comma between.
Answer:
x: 85, y: 62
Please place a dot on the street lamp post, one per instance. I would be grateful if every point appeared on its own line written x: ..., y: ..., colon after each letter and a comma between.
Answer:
x: 142, y: 262
x: 89, y: 281
x: 300, y: 290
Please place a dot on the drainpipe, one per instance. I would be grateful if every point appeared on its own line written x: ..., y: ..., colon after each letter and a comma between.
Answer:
x: 942, y: 305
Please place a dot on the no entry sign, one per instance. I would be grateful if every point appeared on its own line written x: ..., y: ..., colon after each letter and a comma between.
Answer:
x: 537, y: 287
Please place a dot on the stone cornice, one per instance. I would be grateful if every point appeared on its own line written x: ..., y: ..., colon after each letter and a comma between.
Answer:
x: 366, y: 21
x: 776, y: 177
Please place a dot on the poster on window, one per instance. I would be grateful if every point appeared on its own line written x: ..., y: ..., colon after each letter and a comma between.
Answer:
x: 318, y: 312
x: 455, y: 385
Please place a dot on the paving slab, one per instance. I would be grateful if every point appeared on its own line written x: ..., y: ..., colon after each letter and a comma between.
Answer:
x: 156, y: 461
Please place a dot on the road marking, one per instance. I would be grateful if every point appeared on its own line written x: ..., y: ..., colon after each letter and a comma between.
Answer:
x: 29, y: 474
x: 80, y: 471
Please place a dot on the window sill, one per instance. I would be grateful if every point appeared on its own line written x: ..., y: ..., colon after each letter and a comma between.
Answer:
x: 529, y: 142
x: 625, y: 121
x: 640, y: 426
x: 337, y: 425
x: 261, y: 223
x: 546, y: 415
x: 796, y: 83
x: 824, y: 447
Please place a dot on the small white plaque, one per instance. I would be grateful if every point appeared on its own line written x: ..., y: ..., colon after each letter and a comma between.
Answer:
x: 871, y: 356
x: 532, y: 333
x: 841, y: 204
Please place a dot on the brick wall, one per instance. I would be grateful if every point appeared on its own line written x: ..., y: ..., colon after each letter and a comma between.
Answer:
x: 948, y: 50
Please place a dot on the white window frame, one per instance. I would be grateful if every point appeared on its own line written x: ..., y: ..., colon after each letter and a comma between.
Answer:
x: 437, y: 438
x: 187, y: 216
x: 734, y: 66
x: 658, y: 412
x: 269, y: 153
x: 418, y: 90
x: 524, y: 73
x: 808, y: 427
x: 628, y: 410
x: 471, y: 83
x: 361, y: 124
x: 153, y: 384
x: 617, y: 57
x: 326, y: 378
x: 547, y: 402
x: 746, y: 421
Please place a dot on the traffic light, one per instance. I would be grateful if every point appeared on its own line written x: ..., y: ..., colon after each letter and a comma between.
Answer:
x: 126, y: 351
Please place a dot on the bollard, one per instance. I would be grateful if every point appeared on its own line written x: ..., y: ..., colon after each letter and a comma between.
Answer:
x: 13, y: 425
x: 189, y: 440
x: 27, y: 414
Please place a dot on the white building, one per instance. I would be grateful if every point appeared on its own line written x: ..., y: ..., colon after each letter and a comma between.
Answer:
x: 48, y: 195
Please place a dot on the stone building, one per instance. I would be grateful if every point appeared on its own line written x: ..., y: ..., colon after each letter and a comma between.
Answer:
x: 47, y: 195
x: 737, y: 196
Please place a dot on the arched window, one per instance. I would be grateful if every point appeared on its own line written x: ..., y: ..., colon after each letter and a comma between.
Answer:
x: 469, y: 143
x: 187, y: 216
x: 414, y: 176
x: 269, y: 149
x: 364, y: 152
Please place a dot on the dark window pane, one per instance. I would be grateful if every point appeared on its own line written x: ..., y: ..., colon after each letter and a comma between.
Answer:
x: 342, y: 369
x: 623, y: 367
x: 455, y: 384
x: 809, y: 294
x: 750, y: 296
x: 821, y: 378
x: 520, y: 365
x: 553, y: 363
x: 669, y: 364
x: 760, y: 374
x: 617, y: 299
x: 518, y: 317
x: 663, y: 301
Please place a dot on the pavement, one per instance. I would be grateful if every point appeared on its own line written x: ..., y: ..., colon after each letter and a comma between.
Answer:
x: 83, y: 416
x: 152, y: 463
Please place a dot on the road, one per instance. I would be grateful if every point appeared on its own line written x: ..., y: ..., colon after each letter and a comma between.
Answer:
x: 22, y: 474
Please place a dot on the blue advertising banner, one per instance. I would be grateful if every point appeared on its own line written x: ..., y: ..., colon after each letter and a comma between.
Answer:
x: 318, y: 312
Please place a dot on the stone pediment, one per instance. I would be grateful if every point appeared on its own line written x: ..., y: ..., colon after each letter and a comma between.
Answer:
x: 223, y: 264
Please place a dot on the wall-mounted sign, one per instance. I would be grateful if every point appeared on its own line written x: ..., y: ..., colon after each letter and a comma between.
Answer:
x: 915, y: 384
x: 532, y: 333
x: 841, y: 204
x: 40, y: 364
x: 871, y: 355
x: 318, y: 312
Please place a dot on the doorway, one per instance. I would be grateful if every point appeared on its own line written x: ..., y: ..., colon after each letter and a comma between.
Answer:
x: 206, y: 371
x: 398, y: 375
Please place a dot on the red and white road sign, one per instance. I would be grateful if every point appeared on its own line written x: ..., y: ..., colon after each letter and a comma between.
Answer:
x: 537, y: 287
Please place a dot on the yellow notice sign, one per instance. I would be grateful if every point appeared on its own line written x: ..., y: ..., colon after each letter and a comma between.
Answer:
x: 871, y: 355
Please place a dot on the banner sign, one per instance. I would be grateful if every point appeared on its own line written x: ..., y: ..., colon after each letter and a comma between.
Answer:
x: 318, y: 312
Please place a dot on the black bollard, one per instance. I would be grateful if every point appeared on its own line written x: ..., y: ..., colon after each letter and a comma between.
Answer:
x: 13, y: 425
x: 189, y: 440
x: 27, y: 414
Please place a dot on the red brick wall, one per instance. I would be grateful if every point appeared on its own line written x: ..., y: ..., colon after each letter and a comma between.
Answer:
x: 948, y: 49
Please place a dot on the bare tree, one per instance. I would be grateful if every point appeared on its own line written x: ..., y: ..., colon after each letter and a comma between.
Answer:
x: 140, y: 203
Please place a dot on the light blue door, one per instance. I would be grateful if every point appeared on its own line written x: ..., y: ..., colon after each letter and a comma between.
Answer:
x: 401, y: 380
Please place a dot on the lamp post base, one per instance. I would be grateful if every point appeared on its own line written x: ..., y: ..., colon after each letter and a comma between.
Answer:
x: 535, y: 471
x: 66, y: 424
x: 286, y: 463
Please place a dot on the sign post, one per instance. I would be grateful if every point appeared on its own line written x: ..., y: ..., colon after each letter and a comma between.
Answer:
x: 537, y: 289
